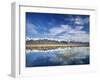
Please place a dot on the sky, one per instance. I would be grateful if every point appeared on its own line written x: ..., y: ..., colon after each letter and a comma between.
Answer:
x: 62, y: 27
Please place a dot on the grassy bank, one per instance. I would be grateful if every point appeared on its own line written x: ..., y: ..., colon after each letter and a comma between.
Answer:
x: 52, y: 46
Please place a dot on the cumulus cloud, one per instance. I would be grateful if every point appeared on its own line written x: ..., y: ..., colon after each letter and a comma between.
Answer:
x: 80, y: 21
x: 66, y: 32
x: 61, y: 32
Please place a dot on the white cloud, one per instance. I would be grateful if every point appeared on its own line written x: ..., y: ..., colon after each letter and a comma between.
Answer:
x: 60, y: 29
x: 62, y: 32
x: 75, y: 35
x: 79, y: 27
x: 79, y: 20
x: 31, y: 28
x: 69, y: 33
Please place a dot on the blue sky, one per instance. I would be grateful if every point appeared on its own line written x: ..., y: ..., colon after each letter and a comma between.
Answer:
x: 68, y: 27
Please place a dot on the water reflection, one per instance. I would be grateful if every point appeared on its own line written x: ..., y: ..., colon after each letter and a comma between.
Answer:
x: 66, y: 56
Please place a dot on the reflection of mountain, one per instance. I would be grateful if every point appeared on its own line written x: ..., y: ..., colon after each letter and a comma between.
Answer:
x: 46, y: 41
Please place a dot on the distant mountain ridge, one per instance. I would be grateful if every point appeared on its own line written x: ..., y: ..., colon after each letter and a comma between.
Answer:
x: 46, y: 41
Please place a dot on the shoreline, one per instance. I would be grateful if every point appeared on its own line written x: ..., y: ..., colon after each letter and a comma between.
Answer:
x: 52, y: 46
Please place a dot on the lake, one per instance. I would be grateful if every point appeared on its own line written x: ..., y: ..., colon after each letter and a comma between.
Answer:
x: 58, y: 57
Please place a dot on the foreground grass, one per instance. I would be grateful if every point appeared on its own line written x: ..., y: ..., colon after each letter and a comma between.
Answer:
x: 52, y: 46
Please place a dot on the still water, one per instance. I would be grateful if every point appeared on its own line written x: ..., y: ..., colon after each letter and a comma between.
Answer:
x: 58, y: 57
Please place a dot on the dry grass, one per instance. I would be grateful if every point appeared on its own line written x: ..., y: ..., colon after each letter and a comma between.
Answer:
x: 51, y: 46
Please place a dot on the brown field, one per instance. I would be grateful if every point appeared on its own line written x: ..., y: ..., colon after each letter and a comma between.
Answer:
x: 51, y: 46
